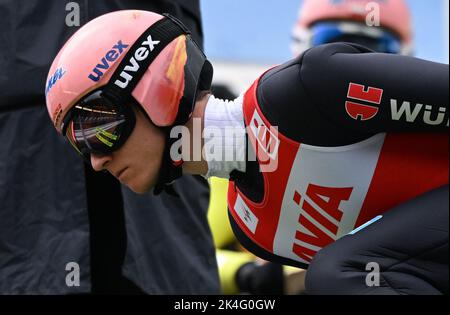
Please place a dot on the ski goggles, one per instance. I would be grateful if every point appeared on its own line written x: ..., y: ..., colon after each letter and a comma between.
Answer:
x: 97, y: 125
x: 374, y: 38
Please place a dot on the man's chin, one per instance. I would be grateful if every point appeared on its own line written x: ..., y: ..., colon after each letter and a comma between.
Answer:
x: 141, y: 184
x: 139, y: 188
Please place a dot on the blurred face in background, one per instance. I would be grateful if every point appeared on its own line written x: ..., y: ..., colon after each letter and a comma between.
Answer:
x: 382, y: 26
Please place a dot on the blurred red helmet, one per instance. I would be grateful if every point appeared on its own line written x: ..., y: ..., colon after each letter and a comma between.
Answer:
x: 394, y: 17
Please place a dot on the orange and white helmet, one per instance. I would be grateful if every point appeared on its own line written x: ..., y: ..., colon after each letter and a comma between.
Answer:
x: 130, y: 54
x: 322, y: 21
x: 119, y: 59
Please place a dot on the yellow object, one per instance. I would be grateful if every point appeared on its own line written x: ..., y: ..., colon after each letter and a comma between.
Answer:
x: 218, y: 213
x: 229, y: 263
x: 293, y: 280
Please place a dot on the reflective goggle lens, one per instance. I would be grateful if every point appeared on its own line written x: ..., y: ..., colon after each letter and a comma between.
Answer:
x: 328, y: 32
x: 97, y: 126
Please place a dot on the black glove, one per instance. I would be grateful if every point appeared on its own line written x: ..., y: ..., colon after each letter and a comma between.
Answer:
x: 260, y: 279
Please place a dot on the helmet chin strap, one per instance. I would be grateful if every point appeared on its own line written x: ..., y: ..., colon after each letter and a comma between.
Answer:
x: 170, y: 170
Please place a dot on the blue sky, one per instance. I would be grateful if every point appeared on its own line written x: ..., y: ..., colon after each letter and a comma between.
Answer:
x: 258, y: 31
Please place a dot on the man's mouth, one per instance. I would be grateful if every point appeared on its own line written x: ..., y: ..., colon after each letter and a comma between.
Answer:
x: 120, y: 173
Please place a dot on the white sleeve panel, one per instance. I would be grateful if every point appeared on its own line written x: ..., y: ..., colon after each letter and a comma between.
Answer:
x: 225, y: 138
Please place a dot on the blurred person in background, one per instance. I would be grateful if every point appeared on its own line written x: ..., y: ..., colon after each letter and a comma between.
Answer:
x: 325, y: 21
x: 55, y: 211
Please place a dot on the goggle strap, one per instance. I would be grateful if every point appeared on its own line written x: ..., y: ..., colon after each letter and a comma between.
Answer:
x: 157, y: 37
x: 196, y: 64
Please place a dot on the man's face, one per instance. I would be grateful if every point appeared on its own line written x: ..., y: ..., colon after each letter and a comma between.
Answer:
x: 137, y: 163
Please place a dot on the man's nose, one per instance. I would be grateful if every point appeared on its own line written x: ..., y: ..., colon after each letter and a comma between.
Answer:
x: 99, y: 161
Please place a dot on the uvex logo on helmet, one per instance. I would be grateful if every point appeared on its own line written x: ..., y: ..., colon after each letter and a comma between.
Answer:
x: 140, y: 54
x: 104, y: 64
x: 59, y: 73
